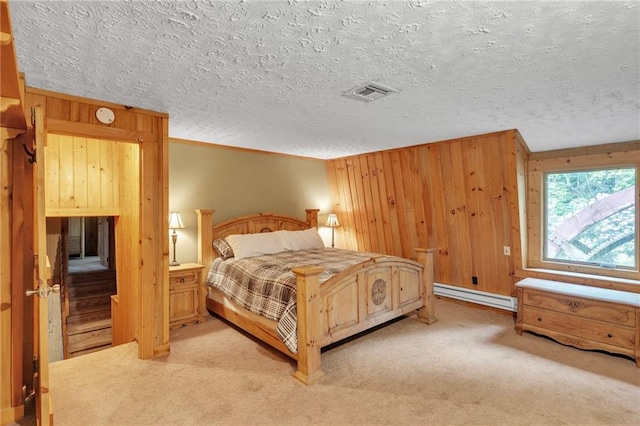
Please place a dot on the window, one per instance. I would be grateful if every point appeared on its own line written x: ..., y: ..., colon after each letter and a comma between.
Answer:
x: 590, y: 218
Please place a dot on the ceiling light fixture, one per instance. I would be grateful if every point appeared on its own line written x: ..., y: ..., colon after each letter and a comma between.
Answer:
x: 369, y: 92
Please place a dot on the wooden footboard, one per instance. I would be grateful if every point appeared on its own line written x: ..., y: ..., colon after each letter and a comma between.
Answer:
x: 362, y: 297
x: 357, y: 299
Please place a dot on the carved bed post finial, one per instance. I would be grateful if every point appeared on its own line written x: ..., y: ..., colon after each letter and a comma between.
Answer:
x: 312, y: 217
x: 205, y: 249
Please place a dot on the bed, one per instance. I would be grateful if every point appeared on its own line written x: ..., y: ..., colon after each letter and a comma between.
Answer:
x: 375, y: 290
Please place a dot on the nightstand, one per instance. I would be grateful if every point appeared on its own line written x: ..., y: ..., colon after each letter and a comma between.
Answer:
x: 184, y: 294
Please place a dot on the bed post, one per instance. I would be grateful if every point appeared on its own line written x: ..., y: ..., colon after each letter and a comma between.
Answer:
x: 426, y: 314
x: 205, y: 249
x: 308, y: 304
x: 312, y: 217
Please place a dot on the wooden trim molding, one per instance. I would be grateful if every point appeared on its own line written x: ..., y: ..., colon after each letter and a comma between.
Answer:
x: 612, y: 155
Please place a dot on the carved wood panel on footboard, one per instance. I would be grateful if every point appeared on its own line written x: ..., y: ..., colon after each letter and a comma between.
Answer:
x: 378, y: 291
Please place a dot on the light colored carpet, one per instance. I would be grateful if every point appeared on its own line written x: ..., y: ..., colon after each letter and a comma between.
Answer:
x: 468, y: 368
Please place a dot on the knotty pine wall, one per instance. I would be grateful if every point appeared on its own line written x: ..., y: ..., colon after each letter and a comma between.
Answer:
x: 82, y: 176
x: 459, y: 196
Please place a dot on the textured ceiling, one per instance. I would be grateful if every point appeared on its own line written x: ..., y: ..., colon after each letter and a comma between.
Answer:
x: 270, y: 75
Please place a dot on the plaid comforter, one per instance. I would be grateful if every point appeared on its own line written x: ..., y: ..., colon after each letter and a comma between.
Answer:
x: 266, y: 286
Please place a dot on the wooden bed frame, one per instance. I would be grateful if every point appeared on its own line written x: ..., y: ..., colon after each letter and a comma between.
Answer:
x: 357, y: 299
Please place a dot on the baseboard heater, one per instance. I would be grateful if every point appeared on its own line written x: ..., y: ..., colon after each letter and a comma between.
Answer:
x: 475, y: 296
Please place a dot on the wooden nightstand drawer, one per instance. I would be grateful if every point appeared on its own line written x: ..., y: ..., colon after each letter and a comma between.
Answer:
x: 586, y: 308
x: 184, y: 277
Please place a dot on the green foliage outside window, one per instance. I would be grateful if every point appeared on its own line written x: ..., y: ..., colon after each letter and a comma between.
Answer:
x: 591, y: 217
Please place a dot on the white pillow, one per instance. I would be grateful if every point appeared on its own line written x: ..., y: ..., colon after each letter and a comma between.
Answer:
x: 250, y: 245
x: 307, y: 239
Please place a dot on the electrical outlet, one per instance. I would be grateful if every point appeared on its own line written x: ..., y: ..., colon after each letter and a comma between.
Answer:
x: 474, y: 280
x: 507, y: 250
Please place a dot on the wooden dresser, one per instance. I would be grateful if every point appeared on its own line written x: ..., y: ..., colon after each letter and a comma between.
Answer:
x: 581, y: 316
x: 184, y: 295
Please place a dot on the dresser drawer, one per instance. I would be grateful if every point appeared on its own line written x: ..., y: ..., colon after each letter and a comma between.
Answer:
x: 582, y: 307
x: 610, y: 334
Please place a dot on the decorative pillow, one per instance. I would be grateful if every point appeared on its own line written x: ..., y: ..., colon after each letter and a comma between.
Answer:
x: 223, y: 248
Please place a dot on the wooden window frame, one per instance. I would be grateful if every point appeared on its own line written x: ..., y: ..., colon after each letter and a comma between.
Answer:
x: 570, y: 161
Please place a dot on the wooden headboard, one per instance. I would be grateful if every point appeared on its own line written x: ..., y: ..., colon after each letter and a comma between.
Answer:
x: 248, y: 224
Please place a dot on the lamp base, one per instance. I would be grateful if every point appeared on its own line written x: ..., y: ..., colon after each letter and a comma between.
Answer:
x: 174, y: 263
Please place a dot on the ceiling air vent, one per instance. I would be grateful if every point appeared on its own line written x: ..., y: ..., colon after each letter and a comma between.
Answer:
x: 369, y: 92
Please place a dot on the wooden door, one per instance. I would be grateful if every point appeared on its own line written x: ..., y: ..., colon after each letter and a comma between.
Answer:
x: 44, y: 413
x: 91, y: 236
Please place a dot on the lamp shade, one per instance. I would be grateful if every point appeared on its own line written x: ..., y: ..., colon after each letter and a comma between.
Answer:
x: 332, y: 221
x: 175, y: 221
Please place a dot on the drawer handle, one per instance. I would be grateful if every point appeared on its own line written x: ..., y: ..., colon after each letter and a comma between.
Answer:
x: 181, y: 279
x: 609, y: 335
x: 574, y: 305
x: 539, y: 319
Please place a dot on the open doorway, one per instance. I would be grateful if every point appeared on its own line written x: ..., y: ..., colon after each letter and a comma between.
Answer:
x: 85, y: 270
x: 90, y: 243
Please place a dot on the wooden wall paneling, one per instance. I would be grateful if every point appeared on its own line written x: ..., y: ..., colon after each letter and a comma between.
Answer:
x: 442, y: 264
x: 378, y: 193
x: 401, y: 204
x: 500, y: 200
x: 390, y: 204
x: 453, y: 203
x: 367, y: 207
x: 66, y: 188
x: 110, y: 174
x: 338, y: 179
x: 415, y: 189
x: 360, y: 208
x: 58, y: 108
x: 350, y: 198
x: 80, y: 112
x: 474, y: 213
x: 426, y: 196
x: 94, y: 169
x: 406, y: 173
x: 52, y: 172
x: 82, y: 176
x: 337, y: 205
x: 79, y: 167
x: 455, y: 195
x: 489, y: 231
x: 461, y: 245
x: 383, y: 201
